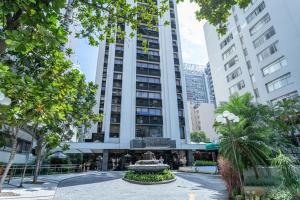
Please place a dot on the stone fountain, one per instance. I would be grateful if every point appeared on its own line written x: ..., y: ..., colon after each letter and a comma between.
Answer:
x: 148, y: 164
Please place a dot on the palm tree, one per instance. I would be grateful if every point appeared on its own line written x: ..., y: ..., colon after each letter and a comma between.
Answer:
x: 248, y: 138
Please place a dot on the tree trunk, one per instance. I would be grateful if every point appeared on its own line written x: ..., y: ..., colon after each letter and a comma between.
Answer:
x: 2, y: 47
x: 26, y: 162
x: 37, y: 162
x: 11, y: 157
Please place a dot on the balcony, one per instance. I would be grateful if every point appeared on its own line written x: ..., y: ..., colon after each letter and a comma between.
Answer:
x: 152, y: 142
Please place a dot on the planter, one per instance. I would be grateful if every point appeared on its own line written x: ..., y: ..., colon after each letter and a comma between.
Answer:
x: 255, y: 190
x: 149, y: 183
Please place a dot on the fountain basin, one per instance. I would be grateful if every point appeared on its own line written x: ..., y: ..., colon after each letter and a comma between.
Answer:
x: 148, y: 167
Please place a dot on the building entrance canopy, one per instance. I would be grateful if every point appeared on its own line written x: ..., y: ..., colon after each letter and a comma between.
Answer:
x: 95, y: 147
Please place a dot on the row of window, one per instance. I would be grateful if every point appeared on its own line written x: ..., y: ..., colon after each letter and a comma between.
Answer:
x: 255, y: 12
x: 274, y: 66
x: 236, y: 73
x: 267, y: 52
x: 236, y: 87
x: 147, y: 65
x: 264, y: 37
x: 148, y: 111
x: 146, y: 79
x: 279, y: 82
x: 231, y: 62
x: 149, y: 131
x: 226, y: 40
x: 150, y: 95
x: 260, y: 24
x: 228, y: 52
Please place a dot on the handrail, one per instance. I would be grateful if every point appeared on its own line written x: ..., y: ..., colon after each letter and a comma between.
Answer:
x: 16, y: 170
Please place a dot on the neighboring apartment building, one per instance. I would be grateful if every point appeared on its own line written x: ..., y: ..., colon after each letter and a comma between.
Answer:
x: 202, y: 118
x: 200, y: 96
x: 23, y: 147
x: 197, y: 87
x: 260, y: 52
x: 142, y: 96
x: 210, y: 84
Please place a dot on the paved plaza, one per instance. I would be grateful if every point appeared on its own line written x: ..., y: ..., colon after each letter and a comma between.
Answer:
x: 109, y: 185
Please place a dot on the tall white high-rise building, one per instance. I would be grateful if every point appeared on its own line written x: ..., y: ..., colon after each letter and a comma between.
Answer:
x: 259, y: 53
x: 142, y: 97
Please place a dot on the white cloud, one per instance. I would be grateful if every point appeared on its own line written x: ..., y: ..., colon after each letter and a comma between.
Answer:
x: 191, y: 34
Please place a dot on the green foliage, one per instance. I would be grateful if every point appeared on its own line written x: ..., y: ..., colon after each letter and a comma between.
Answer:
x: 279, y: 193
x: 286, y: 166
x: 204, y: 163
x: 149, y: 177
x: 199, y: 136
x: 217, y: 12
x: 286, y: 118
x: 249, y: 138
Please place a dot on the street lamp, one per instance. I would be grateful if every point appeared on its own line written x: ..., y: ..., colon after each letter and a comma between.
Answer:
x: 228, y: 118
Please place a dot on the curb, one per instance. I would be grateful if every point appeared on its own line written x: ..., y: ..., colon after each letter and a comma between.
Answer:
x: 149, y: 183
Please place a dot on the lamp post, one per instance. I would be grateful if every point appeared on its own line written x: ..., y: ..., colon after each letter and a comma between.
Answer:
x: 228, y: 118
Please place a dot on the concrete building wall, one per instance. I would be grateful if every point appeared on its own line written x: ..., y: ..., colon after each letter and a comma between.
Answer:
x: 283, y: 42
x: 173, y: 96
x: 202, y: 118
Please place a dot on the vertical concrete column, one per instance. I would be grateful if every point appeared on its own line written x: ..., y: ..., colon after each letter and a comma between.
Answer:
x: 105, y: 160
x: 189, y: 157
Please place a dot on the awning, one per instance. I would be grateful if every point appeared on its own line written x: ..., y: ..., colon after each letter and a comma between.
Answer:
x: 211, y: 146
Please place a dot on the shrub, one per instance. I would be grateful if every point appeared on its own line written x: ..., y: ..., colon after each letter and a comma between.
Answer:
x: 149, y: 177
x: 204, y: 163
x: 262, y: 181
x: 279, y: 193
x: 230, y: 176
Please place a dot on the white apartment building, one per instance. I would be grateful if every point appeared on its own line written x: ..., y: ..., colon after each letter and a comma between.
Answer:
x: 259, y: 53
x: 142, y: 96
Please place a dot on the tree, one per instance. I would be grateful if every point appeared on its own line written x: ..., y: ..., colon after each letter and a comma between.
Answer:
x: 249, y: 137
x: 23, y: 22
x: 199, y: 136
x: 287, y: 118
x: 217, y: 12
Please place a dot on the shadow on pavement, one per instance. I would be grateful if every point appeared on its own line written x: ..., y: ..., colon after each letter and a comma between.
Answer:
x: 87, y: 179
x: 206, y: 181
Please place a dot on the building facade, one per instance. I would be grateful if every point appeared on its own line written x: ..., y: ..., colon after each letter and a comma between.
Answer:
x: 202, y: 118
x: 197, y: 86
x: 142, y: 97
x: 210, y: 84
x: 259, y: 53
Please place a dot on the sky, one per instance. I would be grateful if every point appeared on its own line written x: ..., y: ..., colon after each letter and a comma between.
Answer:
x: 191, y: 36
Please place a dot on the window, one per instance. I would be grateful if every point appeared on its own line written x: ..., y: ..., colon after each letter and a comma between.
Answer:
x: 231, y: 62
x: 235, y: 88
x: 264, y: 37
x: 148, y: 111
x: 260, y: 24
x: 234, y: 74
x: 147, y: 79
x: 285, y: 97
x: 279, y: 82
x: 226, y: 41
x: 228, y: 52
x: 270, y: 50
x: 150, y: 95
x: 255, y: 12
x: 114, y: 131
x: 274, y: 66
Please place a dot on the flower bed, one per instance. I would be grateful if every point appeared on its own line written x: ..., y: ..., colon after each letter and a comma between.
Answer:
x: 165, y: 176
